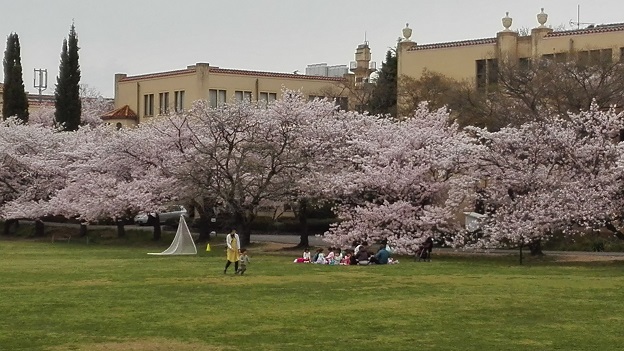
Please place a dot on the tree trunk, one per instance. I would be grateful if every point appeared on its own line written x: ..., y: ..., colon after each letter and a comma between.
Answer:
x: 521, y: 246
x: 609, y: 225
x: 304, y: 242
x: 205, y: 227
x: 39, y: 228
x: 535, y: 247
x: 245, y: 235
x: 121, y: 229
x: 155, y: 221
x: 7, y: 226
x: 242, y: 223
x: 83, y: 230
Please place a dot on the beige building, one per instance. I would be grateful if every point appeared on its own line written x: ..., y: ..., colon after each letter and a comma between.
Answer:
x: 142, y: 97
x: 35, y: 102
x: 477, y: 60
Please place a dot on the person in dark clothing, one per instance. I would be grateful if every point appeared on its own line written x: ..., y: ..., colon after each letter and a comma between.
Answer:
x: 424, y: 251
x: 363, y: 256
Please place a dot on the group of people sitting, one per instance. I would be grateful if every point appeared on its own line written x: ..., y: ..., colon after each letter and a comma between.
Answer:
x: 360, y: 254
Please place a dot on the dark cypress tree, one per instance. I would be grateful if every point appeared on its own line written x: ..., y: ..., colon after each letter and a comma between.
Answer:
x: 15, y: 101
x: 67, y: 94
x: 384, y: 97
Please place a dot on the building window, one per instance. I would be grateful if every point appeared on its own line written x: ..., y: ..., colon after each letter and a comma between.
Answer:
x: 242, y: 95
x: 178, y: 101
x: 606, y: 55
x: 342, y: 102
x: 524, y: 63
x: 217, y: 97
x: 492, y: 71
x: 163, y: 103
x: 148, y: 104
x: 265, y: 97
x: 313, y: 97
x: 487, y: 73
x: 557, y: 57
x: 594, y: 57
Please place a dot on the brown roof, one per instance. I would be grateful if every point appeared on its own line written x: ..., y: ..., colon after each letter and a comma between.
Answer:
x: 35, y: 99
x: 160, y: 74
x: 454, y: 44
x: 271, y: 74
x: 124, y: 112
x: 231, y: 71
x: 602, y: 28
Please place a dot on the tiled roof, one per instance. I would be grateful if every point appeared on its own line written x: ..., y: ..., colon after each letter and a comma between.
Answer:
x: 271, y: 74
x: 451, y: 44
x: 233, y: 72
x: 160, y: 74
x: 124, y: 112
x: 603, y: 28
x: 41, y: 100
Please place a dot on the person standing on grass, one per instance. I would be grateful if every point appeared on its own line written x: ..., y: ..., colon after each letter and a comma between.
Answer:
x: 244, y: 261
x: 233, y: 250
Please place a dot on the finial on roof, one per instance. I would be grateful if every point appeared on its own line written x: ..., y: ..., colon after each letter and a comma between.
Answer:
x: 407, y: 32
x: 507, y: 22
x: 542, y: 18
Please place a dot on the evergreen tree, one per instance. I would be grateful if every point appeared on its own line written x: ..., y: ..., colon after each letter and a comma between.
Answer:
x: 15, y: 101
x: 67, y: 94
x: 384, y: 97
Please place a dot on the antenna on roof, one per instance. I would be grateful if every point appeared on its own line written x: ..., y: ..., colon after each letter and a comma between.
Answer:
x: 578, y: 19
x: 365, y: 41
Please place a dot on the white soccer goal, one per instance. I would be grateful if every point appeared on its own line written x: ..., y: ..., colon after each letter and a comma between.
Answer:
x: 182, y: 244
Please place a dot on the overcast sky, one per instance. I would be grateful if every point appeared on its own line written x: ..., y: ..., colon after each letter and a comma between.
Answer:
x: 138, y: 36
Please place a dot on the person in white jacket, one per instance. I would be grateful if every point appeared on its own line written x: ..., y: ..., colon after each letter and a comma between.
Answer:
x: 233, y: 250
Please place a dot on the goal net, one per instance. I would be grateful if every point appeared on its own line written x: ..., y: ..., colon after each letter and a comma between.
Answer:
x: 182, y: 243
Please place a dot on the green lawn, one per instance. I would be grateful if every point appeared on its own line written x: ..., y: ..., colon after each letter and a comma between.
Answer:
x: 72, y: 296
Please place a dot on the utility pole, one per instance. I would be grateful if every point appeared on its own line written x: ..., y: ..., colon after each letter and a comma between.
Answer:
x: 40, y: 81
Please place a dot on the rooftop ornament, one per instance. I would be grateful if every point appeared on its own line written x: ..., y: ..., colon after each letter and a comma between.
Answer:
x: 407, y: 32
x: 542, y: 18
x: 507, y: 22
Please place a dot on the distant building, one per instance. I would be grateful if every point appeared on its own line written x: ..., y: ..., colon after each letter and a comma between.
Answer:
x: 143, y: 97
x: 356, y: 86
x: 477, y: 60
x: 362, y: 67
x: 322, y: 69
x: 35, y: 102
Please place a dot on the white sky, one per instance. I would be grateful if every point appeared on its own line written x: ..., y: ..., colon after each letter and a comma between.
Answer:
x: 139, y: 36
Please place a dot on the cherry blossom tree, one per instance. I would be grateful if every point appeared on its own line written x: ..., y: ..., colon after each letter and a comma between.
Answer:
x: 106, y: 181
x: 242, y: 155
x: 93, y: 105
x: 30, y: 165
x: 402, y: 181
x: 551, y: 174
x: 90, y: 174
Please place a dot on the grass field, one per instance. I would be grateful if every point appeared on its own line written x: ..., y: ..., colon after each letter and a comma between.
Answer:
x: 72, y: 296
